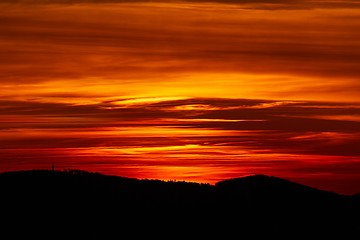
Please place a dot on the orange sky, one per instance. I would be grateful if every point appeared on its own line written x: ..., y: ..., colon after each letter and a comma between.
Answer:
x: 197, y: 91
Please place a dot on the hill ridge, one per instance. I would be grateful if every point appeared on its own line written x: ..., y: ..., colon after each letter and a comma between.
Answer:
x: 255, y: 178
x: 91, y: 205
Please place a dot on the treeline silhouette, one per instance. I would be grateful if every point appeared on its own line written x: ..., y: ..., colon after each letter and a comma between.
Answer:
x: 76, y: 204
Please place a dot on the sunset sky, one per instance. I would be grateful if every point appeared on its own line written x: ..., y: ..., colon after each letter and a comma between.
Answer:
x: 197, y: 91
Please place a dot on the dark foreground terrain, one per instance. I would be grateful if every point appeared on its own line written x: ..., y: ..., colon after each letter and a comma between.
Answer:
x: 74, y: 204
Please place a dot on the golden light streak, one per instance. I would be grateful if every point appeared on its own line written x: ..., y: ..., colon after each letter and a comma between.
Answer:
x: 217, y: 120
x: 169, y: 131
x: 353, y: 118
x: 147, y: 100
x: 142, y: 150
x: 191, y: 107
x: 134, y: 131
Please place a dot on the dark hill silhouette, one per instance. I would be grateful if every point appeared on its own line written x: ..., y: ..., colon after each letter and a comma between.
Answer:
x: 76, y: 204
x: 276, y: 190
x: 356, y: 197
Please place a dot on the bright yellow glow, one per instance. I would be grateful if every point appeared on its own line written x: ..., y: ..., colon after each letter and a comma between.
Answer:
x: 225, y: 85
x: 169, y: 131
x: 147, y: 100
x: 191, y: 107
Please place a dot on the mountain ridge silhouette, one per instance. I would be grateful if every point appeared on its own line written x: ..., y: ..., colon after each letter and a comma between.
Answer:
x: 89, y: 205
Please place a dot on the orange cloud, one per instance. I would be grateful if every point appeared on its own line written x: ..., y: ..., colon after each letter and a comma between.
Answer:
x: 178, y: 50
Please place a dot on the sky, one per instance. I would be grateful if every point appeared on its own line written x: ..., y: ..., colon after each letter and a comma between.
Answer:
x: 198, y: 91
